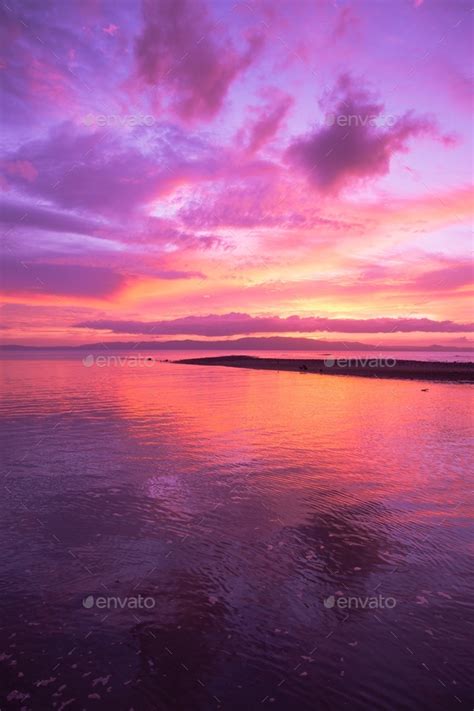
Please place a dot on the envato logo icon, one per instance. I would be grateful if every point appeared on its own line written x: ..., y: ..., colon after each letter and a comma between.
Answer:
x: 372, y: 120
x: 101, y: 361
x: 348, y: 603
x: 135, y: 602
x: 360, y: 362
x: 127, y: 121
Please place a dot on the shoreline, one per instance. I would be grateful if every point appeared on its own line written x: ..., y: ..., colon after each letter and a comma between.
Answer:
x: 359, y: 367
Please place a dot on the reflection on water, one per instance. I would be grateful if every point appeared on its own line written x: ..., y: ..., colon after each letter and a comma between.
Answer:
x: 238, y: 501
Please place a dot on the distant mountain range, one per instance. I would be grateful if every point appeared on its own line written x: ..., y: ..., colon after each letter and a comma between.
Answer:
x: 253, y: 343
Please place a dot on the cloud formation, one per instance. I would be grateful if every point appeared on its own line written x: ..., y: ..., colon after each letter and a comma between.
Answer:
x: 447, y: 278
x: 233, y: 324
x: 268, y: 121
x: 206, y: 208
x: 110, y: 173
x: 178, y: 48
x: 352, y: 145
x: 23, y: 214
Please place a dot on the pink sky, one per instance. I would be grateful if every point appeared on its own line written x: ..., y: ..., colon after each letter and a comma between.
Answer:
x: 216, y: 169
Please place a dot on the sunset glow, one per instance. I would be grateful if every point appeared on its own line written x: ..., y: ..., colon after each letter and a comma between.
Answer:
x: 237, y: 163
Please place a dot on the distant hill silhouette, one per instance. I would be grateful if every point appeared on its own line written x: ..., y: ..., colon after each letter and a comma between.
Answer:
x: 254, y: 343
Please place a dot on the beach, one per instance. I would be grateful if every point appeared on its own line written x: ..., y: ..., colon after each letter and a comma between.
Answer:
x: 368, y: 367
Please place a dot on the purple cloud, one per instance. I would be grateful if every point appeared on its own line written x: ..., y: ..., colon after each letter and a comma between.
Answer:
x: 92, y: 171
x: 268, y: 121
x: 17, y: 214
x: 449, y: 278
x: 357, y: 141
x: 108, y: 173
x: 233, y: 324
x: 62, y: 279
x: 178, y: 49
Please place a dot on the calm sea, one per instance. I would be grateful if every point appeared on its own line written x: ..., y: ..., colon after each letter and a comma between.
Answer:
x: 193, y: 538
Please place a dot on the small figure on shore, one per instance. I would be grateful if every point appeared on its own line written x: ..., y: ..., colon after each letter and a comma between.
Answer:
x: 303, y: 368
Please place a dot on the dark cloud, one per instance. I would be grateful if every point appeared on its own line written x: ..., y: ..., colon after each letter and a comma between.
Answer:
x: 99, y: 171
x: 17, y: 214
x: 181, y: 49
x: 87, y: 170
x: 233, y: 324
x: 357, y: 140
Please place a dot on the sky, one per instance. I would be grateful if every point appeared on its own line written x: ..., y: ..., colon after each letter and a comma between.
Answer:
x: 217, y: 169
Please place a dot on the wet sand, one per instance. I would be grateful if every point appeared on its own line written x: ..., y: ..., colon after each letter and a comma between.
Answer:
x: 363, y: 367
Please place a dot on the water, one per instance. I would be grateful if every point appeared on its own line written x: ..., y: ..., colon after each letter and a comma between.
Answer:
x: 237, y: 501
x: 439, y: 356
